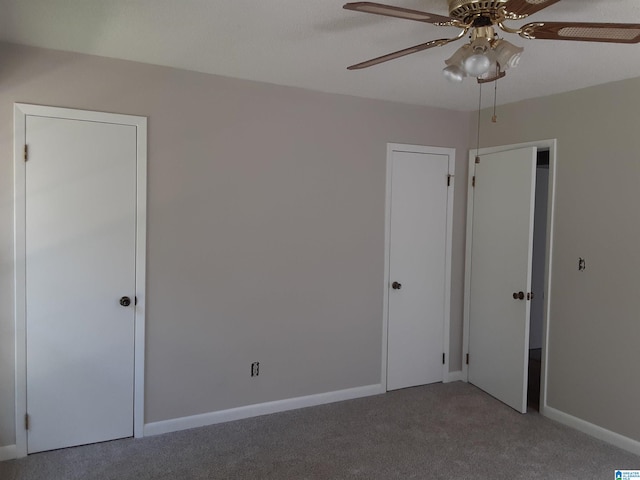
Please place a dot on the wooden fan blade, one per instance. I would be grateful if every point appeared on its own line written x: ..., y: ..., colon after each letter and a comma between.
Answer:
x: 584, y: 32
x: 397, y: 12
x: 399, y: 53
x: 527, y: 7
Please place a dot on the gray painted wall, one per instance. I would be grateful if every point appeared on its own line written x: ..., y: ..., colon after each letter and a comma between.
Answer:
x: 594, y: 330
x: 265, y: 226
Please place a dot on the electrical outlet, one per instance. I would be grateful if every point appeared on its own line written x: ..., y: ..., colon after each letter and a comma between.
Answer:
x: 255, y: 369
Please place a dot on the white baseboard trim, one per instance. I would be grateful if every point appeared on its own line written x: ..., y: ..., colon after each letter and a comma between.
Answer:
x: 8, y: 452
x: 454, y: 377
x: 600, y: 433
x: 194, y: 421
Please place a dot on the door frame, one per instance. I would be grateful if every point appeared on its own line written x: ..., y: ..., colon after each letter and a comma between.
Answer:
x: 451, y: 153
x: 21, y: 111
x: 551, y: 146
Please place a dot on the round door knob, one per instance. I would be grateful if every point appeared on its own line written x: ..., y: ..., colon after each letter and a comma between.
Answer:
x: 518, y: 295
x: 396, y: 286
x: 125, y: 301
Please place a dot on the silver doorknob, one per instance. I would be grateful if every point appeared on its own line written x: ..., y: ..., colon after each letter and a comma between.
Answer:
x: 396, y: 286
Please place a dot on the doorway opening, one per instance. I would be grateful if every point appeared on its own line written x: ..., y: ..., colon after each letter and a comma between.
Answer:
x: 537, y: 280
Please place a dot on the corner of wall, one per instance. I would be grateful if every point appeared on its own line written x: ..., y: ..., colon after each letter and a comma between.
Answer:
x: 454, y: 377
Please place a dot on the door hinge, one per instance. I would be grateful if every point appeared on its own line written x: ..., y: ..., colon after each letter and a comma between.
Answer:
x: 449, y: 177
x: 26, y: 152
x: 477, y: 158
x: 26, y: 421
x: 443, y: 358
x: 467, y: 359
x: 473, y: 181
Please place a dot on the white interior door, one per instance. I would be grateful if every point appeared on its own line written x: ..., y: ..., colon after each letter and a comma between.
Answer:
x: 417, y: 268
x: 80, y: 260
x: 501, y: 253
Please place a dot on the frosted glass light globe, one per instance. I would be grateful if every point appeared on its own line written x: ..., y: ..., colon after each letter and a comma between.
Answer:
x: 477, y: 64
x: 514, y: 61
x: 454, y: 74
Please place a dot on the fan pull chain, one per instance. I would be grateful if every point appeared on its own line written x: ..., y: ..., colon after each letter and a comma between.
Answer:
x: 494, y: 119
x: 478, y: 140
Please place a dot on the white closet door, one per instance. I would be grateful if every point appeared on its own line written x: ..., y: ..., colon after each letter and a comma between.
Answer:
x: 417, y: 262
x: 80, y: 261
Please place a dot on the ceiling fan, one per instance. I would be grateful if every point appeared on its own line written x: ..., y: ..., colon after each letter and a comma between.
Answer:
x: 487, y: 56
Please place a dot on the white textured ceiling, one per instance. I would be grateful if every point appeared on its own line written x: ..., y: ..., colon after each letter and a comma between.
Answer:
x: 309, y: 44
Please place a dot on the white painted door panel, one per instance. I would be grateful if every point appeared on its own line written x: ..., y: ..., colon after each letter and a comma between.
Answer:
x: 501, y: 253
x: 80, y: 260
x: 418, y: 226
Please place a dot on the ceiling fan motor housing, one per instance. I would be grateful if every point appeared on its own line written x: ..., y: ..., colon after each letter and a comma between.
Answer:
x: 467, y: 10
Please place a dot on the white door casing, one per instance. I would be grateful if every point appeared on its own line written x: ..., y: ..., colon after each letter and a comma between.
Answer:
x: 419, y: 204
x: 80, y: 245
x: 501, y: 255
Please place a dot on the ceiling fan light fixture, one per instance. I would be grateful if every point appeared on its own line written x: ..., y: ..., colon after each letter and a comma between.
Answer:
x: 486, y: 57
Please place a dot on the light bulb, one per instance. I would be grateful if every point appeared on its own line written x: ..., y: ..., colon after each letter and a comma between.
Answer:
x: 477, y: 64
x: 454, y: 74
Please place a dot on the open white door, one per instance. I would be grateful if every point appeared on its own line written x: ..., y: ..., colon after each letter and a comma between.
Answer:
x: 500, y: 282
